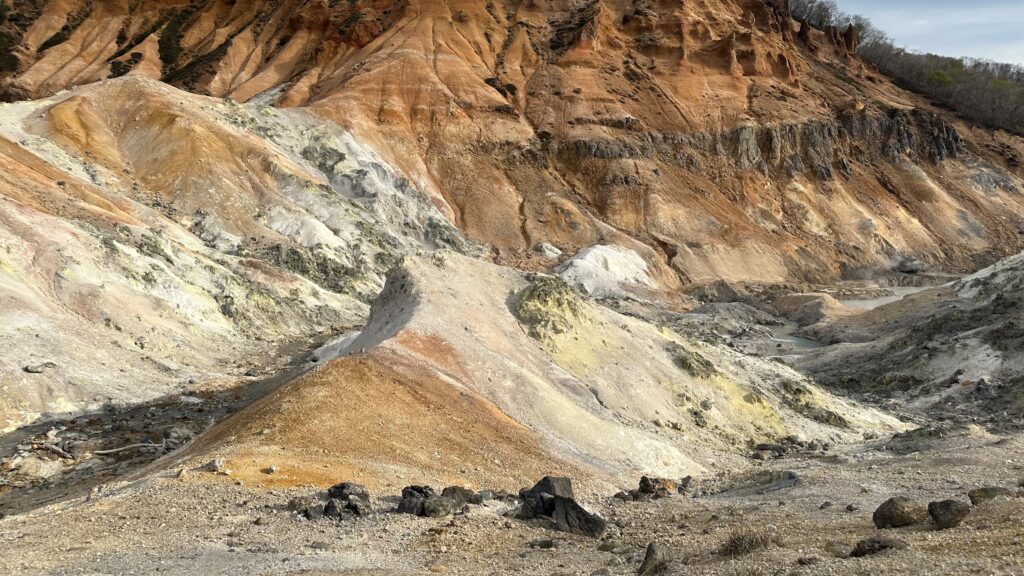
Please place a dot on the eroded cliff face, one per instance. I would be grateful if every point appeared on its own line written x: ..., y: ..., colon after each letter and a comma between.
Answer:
x: 718, y: 139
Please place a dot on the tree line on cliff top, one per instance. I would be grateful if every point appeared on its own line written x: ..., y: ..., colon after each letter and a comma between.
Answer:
x: 986, y: 92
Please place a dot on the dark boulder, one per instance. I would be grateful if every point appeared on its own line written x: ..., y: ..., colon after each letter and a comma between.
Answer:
x: 438, y: 506
x: 483, y: 496
x: 948, y: 513
x: 413, y: 498
x: 459, y: 495
x: 305, y: 506
x: 345, y: 490
x: 979, y: 495
x: 899, y: 511
x: 347, y: 498
x: 299, y: 503
x: 685, y: 484
x: 358, y: 507
x: 313, y: 512
x: 570, y: 517
x: 553, y: 485
x: 658, y: 487
x: 424, y: 501
x: 553, y: 498
x: 334, y: 509
x: 338, y: 508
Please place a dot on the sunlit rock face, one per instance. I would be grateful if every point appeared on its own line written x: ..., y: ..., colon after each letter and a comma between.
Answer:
x: 718, y: 134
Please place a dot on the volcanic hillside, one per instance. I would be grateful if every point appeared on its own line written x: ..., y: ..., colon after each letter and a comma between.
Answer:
x: 728, y: 140
x: 471, y: 372
x: 153, y: 241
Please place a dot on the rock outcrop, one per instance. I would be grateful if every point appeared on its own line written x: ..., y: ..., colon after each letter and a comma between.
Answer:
x: 717, y: 133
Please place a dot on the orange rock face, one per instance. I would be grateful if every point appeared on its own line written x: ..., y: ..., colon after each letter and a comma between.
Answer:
x: 713, y: 132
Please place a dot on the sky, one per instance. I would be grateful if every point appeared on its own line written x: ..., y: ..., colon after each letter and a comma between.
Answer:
x: 992, y: 29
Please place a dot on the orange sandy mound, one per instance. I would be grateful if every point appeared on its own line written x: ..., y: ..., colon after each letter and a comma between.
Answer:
x: 383, y: 420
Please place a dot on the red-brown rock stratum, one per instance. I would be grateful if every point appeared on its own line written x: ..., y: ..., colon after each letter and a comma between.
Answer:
x: 726, y: 140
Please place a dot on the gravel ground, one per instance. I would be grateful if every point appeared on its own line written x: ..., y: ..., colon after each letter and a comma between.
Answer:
x: 199, y: 524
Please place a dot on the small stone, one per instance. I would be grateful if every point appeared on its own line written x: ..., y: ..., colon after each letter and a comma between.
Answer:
x: 544, y: 544
x: 824, y: 505
x: 39, y: 368
x: 685, y: 483
x: 547, y: 250
x: 320, y: 546
x: 852, y: 508
x: 272, y: 469
x: 808, y: 560
x: 876, y: 544
x: 899, y: 511
x: 216, y: 466
x: 948, y: 513
x: 837, y: 549
x: 655, y: 560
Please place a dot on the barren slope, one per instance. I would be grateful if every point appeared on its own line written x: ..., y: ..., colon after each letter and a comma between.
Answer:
x: 728, y: 141
x: 155, y: 242
x: 955, y: 351
x: 470, y: 371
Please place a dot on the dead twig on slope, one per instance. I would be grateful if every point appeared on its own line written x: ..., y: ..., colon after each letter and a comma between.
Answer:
x: 55, y: 450
x: 126, y: 448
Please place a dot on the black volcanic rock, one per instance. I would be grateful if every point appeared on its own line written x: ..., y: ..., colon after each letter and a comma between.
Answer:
x: 552, y: 498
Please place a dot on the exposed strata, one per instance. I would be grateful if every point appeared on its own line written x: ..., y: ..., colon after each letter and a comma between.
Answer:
x: 716, y: 133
